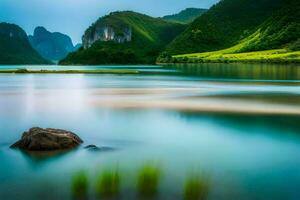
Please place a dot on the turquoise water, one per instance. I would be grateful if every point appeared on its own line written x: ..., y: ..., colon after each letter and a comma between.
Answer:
x: 184, y: 123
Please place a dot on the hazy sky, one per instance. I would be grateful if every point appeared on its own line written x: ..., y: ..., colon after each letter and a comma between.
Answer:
x: 74, y: 16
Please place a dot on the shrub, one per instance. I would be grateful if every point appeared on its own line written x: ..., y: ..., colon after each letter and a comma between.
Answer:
x: 196, y: 188
x: 148, y: 181
x: 80, y: 185
x: 108, y: 184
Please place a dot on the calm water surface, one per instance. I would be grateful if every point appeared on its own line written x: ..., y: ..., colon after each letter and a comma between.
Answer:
x: 237, y: 124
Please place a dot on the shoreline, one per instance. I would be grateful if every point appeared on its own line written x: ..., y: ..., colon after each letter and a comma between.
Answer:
x: 277, y: 56
x: 104, y: 71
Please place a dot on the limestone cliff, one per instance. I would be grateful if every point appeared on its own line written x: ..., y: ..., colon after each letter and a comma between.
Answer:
x: 106, y: 29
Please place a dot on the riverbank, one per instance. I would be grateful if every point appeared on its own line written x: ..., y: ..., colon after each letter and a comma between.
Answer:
x: 226, y: 56
x: 43, y: 71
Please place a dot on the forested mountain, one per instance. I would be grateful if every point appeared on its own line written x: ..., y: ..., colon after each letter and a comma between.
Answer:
x: 52, y: 46
x: 15, y: 47
x: 124, y: 38
x: 186, y: 16
x: 231, y: 22
x: 281, y: 30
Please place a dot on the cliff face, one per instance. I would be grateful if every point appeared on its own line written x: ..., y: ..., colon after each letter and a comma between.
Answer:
x: 107, y: 33
x: 52, y: 46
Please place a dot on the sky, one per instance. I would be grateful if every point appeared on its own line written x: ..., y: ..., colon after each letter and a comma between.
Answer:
x: 73, y: 17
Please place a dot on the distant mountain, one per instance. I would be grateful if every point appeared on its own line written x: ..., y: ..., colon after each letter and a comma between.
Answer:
x: 15, y: 47
x: 246, y: 24
x: 77, y: 46
x: 186, y: 16
x: 124, y: 38
x: 53, y: 46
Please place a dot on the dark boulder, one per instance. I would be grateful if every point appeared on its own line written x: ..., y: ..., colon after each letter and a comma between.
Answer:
x: 39, y: 139
x: 96, y: 149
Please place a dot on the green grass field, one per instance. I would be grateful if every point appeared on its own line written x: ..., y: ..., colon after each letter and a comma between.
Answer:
x: 272, y: 56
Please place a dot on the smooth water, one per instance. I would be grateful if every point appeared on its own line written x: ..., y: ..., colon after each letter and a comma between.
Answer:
x: 241, y: 131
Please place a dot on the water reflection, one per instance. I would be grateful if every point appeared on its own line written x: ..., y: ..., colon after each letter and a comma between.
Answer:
x: 37, y: 158
x: 156, y: 117
x: 241, y: 71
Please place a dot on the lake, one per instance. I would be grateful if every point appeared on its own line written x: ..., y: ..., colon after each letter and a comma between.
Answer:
x: 236, y: 124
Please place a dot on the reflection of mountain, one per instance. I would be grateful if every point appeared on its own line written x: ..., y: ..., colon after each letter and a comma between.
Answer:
x: 52, y: 46
x: 242, y: 121
x: 15, y: 47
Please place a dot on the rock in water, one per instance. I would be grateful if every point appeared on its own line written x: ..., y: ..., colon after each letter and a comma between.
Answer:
x: 39, y: 139
x: 97, y: 149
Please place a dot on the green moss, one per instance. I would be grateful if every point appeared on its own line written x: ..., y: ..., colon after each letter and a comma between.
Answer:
x: 80, y: 185
x: 108, y: 184
x: 148, y: 181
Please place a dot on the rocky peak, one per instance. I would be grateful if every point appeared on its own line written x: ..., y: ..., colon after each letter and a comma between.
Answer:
x: 107, y: 33
x: 113, y: 27
x: 53, y: 46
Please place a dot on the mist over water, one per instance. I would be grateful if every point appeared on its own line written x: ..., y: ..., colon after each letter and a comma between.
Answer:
x: 239, y: 128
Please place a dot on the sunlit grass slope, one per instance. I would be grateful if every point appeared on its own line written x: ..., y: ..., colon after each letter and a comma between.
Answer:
x: 274, y: 56
x: 272, y: 36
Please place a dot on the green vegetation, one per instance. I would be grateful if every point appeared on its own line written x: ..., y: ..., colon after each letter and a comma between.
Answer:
x: 186, y: 16
x: 104, y: 71
x: 227, y: 32
x: 80, y: 185
x: 196, y: 188
x: 15, y: 47
x: 259, y: 25
x: 149, y: 37
x: 250, y: 31
x: 225, y: 56
x: 108, y: 184
x: 148, y: 181
x: 281, y: 30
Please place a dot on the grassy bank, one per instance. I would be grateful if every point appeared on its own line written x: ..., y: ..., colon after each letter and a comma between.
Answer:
x: 147, y: 183
x: 226, y: 56
x: 29, y: 71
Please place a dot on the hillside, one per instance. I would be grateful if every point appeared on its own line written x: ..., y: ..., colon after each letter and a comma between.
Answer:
x: 186, y: 16
x: 124, y: 38
x: 52, y: 46
x: 281, y: 30
x: 15, y: 47
x: 224, y: 25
